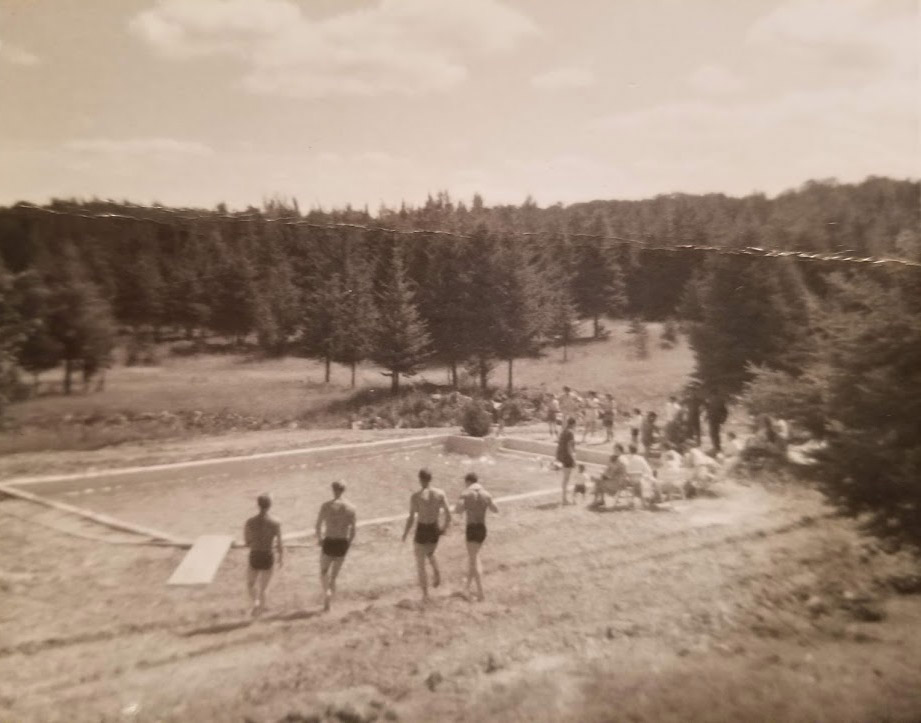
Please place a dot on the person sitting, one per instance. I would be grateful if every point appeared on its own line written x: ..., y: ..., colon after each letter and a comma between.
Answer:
x: 640, y: 475
x: 614, y: 478
x: 702, y: 469
x: 649, y: 432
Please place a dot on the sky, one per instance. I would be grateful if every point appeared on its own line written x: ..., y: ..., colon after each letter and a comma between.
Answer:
x: 370, y: 102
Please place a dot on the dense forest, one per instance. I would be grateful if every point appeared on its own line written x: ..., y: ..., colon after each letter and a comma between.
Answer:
x: 466, y: 284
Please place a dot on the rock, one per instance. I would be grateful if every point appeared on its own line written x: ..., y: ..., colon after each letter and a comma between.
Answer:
x: 493, y: 664
x: 816, y: 606
x: 906, y: 584
x: 867, y: 612
x: 362, y: 704
x: 610, y: 633
x: 433, y: 680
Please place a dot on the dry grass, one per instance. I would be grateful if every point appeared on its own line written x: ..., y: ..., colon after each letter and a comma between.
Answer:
x: 271, y: 392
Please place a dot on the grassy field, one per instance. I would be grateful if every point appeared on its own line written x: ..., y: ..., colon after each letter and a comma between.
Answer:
x: 752, y: 605
x: 250, y: 393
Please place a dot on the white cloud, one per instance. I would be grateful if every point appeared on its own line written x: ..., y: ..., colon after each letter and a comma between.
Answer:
x: 873, y: 34
x: 15, y: 55
x: 844, y: 132
x: 715, y: 80
x: 395, y: 46
x: 564, y: 79
x: 138, y: 147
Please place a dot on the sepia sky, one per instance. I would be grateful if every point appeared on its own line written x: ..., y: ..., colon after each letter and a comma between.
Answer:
x: 191, y: 102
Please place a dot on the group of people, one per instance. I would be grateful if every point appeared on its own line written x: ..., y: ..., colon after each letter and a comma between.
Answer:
x: 679, y: 421
x: 336, y: 526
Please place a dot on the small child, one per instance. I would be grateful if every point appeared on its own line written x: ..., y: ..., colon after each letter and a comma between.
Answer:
x: 636, y: 424
x: 607, y: 417
x: 581, y: 483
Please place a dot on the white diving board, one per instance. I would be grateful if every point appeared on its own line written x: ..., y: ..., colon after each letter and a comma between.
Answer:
x: 200, y: 564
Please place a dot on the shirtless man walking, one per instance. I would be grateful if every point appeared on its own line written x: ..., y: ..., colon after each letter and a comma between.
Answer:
x: 259, y: 533
x: 335, y: 532
x: 475, y: 501
x: 427, y: 503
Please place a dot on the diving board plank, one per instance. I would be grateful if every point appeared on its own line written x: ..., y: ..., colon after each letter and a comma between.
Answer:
x: 200, y: 564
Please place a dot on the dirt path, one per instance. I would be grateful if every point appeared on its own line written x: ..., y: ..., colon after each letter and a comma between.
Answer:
x: 573, y: 596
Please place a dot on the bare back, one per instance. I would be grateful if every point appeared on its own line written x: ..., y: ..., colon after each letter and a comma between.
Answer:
x: 260, y: 532
x: 426, y: 503
x: 476, y: 501
x: 338, y: 516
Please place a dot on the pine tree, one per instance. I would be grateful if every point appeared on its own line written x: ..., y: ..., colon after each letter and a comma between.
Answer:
x: 39, y: 351
x: 401, y: 340
x: 750, y: 312
x: 640, y: 338
x: 599, y: 287
x: 320, y: 317
x: 562, y: 318
x: 356, y: 316
x: 519, y: 318
x: 233, y: 297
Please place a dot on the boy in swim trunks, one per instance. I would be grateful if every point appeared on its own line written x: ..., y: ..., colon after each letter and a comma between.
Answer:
x: 259, y: 534
x: 475, y: 501
x: 427, y: 503
x: 335, y: 532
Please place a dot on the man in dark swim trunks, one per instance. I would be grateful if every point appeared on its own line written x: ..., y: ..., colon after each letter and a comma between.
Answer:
x: 566, y: 454
x: 335, y: 532
x: 259, y: 533
x: 427, y: 503
x: 475, y: 501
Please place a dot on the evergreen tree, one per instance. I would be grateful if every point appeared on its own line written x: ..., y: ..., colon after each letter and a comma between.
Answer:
x: 39, y: 351
x: 319, y: 324
x: 562, y: 317
x: 516, y: 303
x: 599, y: 283
x: 639, y: 338
x: 355, y: 317
x: 81, y: 322
x: 751, y: 312
x: 232, y: 297
x: 401, y: 339
x: 12, y: 334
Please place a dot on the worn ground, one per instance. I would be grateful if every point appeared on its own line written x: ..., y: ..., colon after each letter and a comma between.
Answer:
x: 753, y: 605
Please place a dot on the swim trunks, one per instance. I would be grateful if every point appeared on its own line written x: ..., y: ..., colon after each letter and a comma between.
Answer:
x: 261, y: 559
x: 476, y: 532
x: 335, y: 546
x: 579, y: 489
x: 427, y: 534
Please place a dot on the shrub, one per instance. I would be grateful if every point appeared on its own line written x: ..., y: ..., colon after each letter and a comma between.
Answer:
x: 476, y: 421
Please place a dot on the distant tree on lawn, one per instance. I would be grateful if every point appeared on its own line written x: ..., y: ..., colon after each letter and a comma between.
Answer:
x: 639, y: 338
x: 320, y: 318
x: 402, y: 342
x: 39, y: 350
x: 81, y: 322
x: 748, y: 312
x: 356, y: 315
x: 519, y: 317
x: 599, y: 287
x: 562, y: 318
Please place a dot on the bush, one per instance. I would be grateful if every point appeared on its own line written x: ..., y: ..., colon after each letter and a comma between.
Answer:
x: 476, y: 421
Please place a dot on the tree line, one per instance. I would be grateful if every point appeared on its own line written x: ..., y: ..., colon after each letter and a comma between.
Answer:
x: 467, y: 286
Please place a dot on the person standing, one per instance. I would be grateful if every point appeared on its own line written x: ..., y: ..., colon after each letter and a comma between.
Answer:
x: 569, y: 405
x: 553, y: 415
x: 475, y: 502
x: 592, y: 409
x: 717, y: 413
x: 566, y: 454
x: 336, y: 527
x: 427, y: 504
x: 607, y: 417
x: 260, y: 533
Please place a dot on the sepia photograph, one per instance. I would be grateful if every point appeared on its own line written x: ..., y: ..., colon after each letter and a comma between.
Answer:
x: 460, y: 360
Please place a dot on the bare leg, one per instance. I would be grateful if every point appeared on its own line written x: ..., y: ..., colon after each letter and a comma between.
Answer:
x: 566, y: 472
x: 436, y: 573
x: 251, y: 575
x: 324, y: 580
x: 334, y: 567
x: 421, y: 571
x: 473, y: 570
x: 264, y: 577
